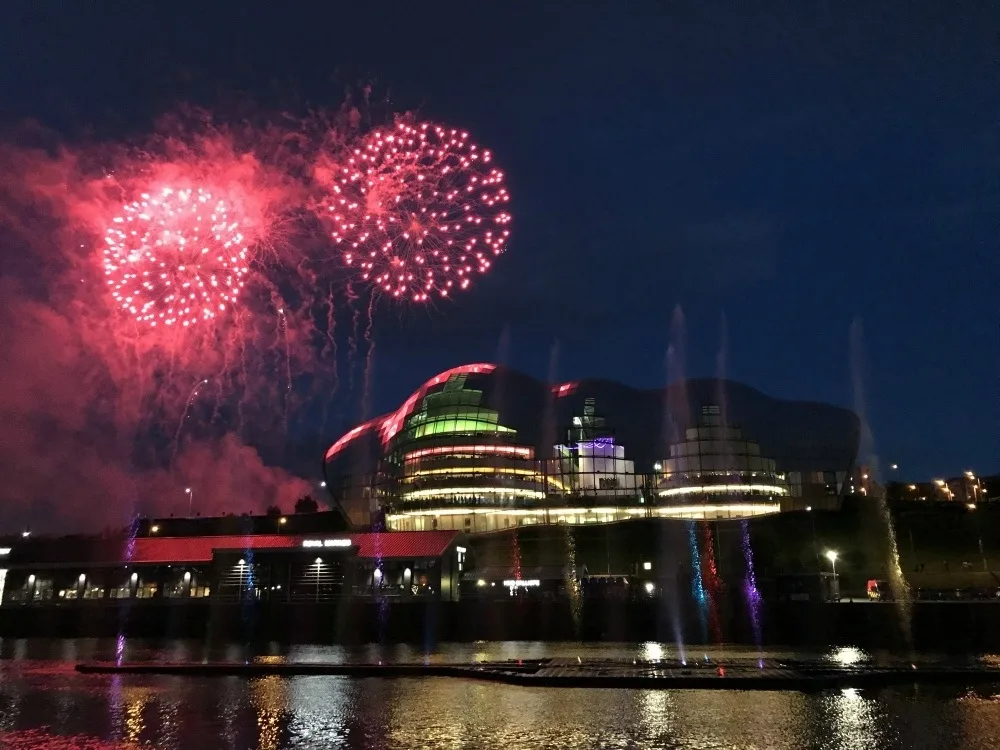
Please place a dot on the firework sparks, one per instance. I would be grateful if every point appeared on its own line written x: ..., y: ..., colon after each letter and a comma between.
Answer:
x: 419, y: 211
x: 176, y: 257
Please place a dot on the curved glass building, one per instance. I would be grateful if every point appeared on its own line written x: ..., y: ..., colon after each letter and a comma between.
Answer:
x: 482, y: 448
x: 452, y: 460
x: 715, y: 472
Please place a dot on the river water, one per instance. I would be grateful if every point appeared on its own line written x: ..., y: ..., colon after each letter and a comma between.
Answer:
x: 44, y: 703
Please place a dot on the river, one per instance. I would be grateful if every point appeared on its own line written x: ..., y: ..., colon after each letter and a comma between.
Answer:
x: 44, y: 703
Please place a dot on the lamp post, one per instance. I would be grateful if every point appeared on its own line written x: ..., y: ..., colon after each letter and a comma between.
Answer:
x: 979, y: 531
x: 831, y: 555
x: 190, y: 493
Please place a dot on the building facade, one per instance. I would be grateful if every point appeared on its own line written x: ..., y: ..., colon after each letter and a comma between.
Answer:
x: 182, y: 560
x: 716, y: 472
x: 481, y: 448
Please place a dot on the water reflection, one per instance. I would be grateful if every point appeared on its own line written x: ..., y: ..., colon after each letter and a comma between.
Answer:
x: 45, y: 703
x: 857, y: 720
x: 133, y: 721
x: 321, y: 709
x: 658, y: 713
x: 172, y: 708
x: 268, y: 697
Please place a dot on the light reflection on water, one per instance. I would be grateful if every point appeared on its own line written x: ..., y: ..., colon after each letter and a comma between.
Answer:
x: 45, y: 703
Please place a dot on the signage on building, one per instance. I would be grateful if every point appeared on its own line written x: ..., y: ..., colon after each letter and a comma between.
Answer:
x: 326, y: 542
x: 522, y: 584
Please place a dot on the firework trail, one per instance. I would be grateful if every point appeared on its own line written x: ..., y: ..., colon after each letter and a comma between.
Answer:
x: 330, y: 352
x: 352, y: 337
x: 418, y: 210
x: 287, y: 395
x: 369, y: 356
x: 180, y: 423
x: 243, y: 382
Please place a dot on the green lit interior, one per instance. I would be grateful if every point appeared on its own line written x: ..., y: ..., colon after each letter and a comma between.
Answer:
x: 445, y: 426
x: 455, y: 409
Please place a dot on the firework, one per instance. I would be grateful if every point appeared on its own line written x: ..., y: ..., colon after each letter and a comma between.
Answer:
x: 419, y: 211
x: 176, y: 257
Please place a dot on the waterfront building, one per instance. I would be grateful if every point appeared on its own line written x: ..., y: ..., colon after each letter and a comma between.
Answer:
x: 715, y: 472
x: 967, y: 489
x: 294, y: 559
x: 481, y: 448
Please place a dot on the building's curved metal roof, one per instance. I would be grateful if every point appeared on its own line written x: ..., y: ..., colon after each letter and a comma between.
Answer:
x: 800, y: 435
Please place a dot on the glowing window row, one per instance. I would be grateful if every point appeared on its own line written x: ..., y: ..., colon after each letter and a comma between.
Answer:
x: 447, y: 426
x: 472, y: 471
x: 461, y: 450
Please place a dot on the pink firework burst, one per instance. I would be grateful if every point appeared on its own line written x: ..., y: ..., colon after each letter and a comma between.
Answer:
x: 176, y: 257
x: 419, y: 210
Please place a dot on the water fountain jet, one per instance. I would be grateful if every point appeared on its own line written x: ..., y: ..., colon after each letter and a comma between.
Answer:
x: 866, y: 452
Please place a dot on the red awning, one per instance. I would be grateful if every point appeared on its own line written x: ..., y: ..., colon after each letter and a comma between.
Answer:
x: 199, y: 549
x: 191, y: 549
x: 408, y: 544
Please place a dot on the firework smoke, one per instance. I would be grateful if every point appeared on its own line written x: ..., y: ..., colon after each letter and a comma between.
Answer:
x: 103, y: 361
x: 163, y: 299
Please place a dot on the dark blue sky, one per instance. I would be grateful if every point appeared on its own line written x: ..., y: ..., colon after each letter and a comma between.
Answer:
x: 790, y: 165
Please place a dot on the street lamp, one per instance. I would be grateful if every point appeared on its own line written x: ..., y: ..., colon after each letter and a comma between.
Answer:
x: 831, y: 555
x: 190, y: 494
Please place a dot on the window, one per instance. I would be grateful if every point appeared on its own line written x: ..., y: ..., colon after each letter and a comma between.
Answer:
x: 121, y: 592
x: 93, y: 592
x: 147, y: 590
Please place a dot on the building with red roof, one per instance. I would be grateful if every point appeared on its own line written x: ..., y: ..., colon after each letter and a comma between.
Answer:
x: 300, y: 558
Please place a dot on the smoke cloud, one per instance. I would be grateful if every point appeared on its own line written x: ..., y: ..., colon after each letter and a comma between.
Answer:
x: 67, y: 439
x: 99, y: 417
x: 103, y: 414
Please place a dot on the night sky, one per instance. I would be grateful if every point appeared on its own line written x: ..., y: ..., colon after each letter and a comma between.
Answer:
x: 789, y: 167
